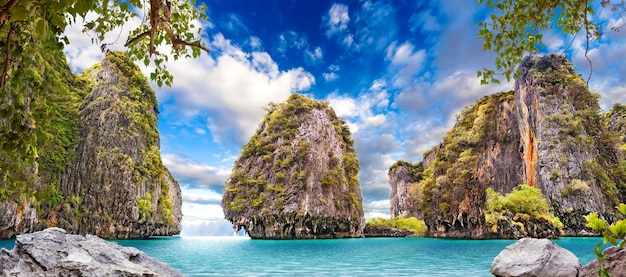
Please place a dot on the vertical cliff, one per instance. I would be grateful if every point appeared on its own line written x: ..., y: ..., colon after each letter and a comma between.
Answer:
x: 402, y: 175
x: 548, y: 133
x: 117, y: 185
x: 481, y: 151
x: 564, y: 143
x: 99, y: 169
x: 297, y: 176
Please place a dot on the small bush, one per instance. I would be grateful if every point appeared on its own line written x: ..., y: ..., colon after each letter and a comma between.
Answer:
x: 576, y: 187
x: 524, y: 200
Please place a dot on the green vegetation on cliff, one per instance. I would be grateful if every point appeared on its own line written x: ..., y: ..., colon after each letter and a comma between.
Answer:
x: 411, y: 224
x: 54, y: 111
x: 93, y: 136
x: 444, y: 184
x: 548, y: 133
x: 523, y: 202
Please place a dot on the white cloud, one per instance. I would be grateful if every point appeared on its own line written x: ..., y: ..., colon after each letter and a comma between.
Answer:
x: 376, y: 120
x: 200, y: 131
x: 82, y: 53
x: 198, y: 175
x: 343, y: 106
x: 313, y: 56
x: 330, y: 76
x: 337, y: 19
x: 376, y: 26
x: 405, y: 61
x: 290, y: 40
x: 255, y: 43
x: 377, y: 208
x: 424, y: 21
x: 231, y: 90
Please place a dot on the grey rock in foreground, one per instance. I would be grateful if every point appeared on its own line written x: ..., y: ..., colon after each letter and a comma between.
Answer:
x: 52, y: 252
x: 615, y: 264
x: 535, y: 257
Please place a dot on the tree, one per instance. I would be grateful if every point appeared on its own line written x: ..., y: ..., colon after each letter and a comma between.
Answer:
x: 515, y: 27
x: 29, y: 28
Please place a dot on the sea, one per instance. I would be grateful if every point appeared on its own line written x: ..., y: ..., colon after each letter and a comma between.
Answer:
x: 242, y: 256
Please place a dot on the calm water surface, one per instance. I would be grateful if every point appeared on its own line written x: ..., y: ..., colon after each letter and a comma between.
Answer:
x: 232, y: 256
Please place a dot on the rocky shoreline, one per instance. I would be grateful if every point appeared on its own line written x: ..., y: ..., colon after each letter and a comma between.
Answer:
x: 53, y: 252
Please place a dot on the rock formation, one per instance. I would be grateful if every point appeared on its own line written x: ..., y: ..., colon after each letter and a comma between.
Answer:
x: 297, y: 176
x: 535, y: 257
x: 401, y: 177
x: 614, y: 264
x: 99, y: 169
x: 547, y: 133
x: 52, y: 252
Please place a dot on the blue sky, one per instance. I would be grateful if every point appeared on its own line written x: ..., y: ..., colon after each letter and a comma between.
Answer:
x: 397, y: 71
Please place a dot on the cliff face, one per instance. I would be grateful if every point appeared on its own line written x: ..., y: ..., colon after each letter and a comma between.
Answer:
x: 402, y: 175
x: 297, y: 176
x: 107, y: 178
x: 566, y: 143
x: 548, y: 133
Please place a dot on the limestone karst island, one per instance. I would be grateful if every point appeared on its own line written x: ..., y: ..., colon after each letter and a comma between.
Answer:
x: 297, y: 176
x: 312, y: 138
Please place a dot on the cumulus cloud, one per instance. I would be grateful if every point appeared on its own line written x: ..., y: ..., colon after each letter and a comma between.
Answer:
x: 230, y: 91
x: 202, y: 213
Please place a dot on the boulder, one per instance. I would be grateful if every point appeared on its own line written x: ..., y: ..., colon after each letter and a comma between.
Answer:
x: 52, y: 252
x: 615, y: 264
x: 535, y: 257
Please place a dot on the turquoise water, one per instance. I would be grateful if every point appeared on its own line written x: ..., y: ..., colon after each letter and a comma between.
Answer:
x: 232, y: 256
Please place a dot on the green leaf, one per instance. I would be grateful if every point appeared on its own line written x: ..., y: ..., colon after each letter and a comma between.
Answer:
x: 19, y: 13
x: 595, y: 223
x: 621, y: 208
x: 619, y: 228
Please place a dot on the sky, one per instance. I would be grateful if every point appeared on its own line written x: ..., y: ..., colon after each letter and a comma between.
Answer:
x: 398, y: 72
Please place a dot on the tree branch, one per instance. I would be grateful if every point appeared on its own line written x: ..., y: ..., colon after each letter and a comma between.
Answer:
x: 6, y: 11
x: 136, y: 38
x: 177, y: 42
x: 7, y: 57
